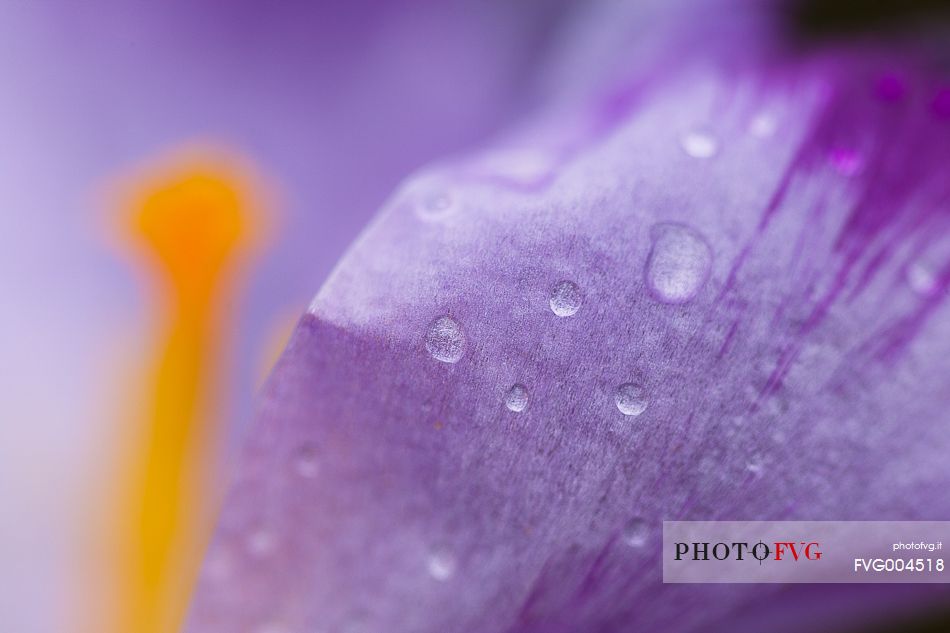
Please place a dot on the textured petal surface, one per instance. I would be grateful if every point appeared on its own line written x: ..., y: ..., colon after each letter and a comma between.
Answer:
x: 713, y: 292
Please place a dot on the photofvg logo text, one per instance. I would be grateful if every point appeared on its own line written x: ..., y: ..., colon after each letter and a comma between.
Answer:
x: 804, y: 551
x: 742, y: 550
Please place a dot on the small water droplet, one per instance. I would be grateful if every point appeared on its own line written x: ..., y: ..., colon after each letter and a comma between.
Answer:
x: 566, y: 299
x: 636, y: 532
x: 441, y: 565
x: 631, y: 399
x: 306, y: 463
x: 763, y: 125
x: 517, y: 398
x: 678, y: 264
x: 435, y: 206
x: 699, y: 144
x: 445, y: 340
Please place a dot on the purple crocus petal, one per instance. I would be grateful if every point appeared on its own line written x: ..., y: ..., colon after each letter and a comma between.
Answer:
x: 704, y: 291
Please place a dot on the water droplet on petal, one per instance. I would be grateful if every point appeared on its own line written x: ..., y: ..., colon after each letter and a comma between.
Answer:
x: 435, y: 206
x: 441, y: 565
x: 306, y: 463
x: 566, y: 299
x: 517, y: 398
x: 678, y: 264
x: 445, y: 340
x: 699, y: 144
x: 631, y: 399
x: 636, y: 532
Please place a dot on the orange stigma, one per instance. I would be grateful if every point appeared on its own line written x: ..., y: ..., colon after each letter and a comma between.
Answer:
x: 192, y: 222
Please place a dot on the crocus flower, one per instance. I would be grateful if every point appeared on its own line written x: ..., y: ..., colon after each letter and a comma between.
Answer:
x: 707, y: 281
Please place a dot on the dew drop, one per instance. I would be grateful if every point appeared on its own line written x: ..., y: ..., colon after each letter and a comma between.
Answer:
x: 678, y: 264
x: 631, y: 399
x: 566, y: 299
x: 517, y: 398
x: 699, y: 144
x: 306, y: 463
x: 636, y: 532
x: 435, y: 206
x: 445, y: 340
x: 441, y: 565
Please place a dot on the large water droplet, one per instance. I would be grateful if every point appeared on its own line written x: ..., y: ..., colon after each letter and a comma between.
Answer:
x: 631, y: 399
x: 441, y: 564
x: 517, y: 398
x: 699, y: 144
x: 678, y: 264
x: 445, y: 340
x: 566, y: 299
x: 636, y: 532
